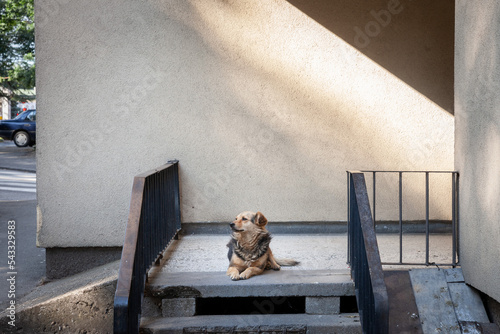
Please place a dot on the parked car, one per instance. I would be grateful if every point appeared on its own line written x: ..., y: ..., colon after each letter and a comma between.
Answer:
x: 22, y: 129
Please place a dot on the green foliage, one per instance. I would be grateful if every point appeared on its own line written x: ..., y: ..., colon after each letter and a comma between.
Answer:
x: 17, y: 46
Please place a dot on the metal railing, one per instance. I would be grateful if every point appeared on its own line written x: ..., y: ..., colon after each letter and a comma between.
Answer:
x: 154, y: 220
x: 364, y: 260
x: 454, y: 260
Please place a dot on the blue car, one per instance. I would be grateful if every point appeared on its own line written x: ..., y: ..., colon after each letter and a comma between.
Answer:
x: 22, y: 129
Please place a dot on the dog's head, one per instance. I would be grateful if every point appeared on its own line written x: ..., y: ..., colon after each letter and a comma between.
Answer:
x: 248, y: 221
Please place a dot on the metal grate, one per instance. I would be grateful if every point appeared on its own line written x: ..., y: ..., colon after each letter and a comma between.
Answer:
x: 454, y: 179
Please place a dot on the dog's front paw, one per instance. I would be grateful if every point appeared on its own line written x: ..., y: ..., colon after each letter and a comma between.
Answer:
x: 245, y: 275
x: 276, y: 267
x: 233, y: 273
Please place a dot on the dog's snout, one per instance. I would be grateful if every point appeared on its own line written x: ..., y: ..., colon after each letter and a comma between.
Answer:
x: 231, y: 224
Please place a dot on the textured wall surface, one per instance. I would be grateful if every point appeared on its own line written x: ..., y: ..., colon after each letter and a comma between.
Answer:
x: 478, y: 141
x: 265, y: 106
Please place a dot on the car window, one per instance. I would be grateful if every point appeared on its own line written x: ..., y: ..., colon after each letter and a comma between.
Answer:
x: 32, y: 116
x: 20, y: 116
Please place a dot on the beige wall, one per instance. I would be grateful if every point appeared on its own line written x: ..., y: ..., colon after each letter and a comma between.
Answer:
x: 478, y: 141
x: 264, y: 105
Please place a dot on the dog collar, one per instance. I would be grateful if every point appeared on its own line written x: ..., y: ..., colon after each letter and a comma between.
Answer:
x: 253, y: 253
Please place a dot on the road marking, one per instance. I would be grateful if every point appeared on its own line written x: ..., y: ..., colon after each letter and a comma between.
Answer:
x: 17, y: 181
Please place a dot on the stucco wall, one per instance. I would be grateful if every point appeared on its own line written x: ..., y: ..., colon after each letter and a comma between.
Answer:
x: 264, y: 105
x: 477, y: 148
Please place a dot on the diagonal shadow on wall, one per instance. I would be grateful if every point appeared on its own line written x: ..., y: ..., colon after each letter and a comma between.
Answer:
x: 414, y: 40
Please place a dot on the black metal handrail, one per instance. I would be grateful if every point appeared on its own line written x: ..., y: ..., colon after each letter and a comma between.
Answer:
x: 364, y: 260
x: 154, y: 220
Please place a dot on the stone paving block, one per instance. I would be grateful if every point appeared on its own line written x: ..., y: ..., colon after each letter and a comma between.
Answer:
x: 273, y: 329
x: 179, y: 307
x: 219, y: 330
x: 151, y: 307
x: 322, y: 305
x: 244, y: 329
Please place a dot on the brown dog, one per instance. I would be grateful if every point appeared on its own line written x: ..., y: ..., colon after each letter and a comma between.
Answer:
x: 249, y: 253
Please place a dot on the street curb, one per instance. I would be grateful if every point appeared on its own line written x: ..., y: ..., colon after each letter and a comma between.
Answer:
x: 82, y: 303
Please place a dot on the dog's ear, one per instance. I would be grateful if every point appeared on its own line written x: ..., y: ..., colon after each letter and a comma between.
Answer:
x: 260, y: 220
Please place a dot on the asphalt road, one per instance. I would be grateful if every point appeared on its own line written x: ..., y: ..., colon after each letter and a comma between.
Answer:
x: 17, y: 158
x: 18, y: 214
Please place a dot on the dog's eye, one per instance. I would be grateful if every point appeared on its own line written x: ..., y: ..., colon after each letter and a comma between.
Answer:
x: 244, y: 218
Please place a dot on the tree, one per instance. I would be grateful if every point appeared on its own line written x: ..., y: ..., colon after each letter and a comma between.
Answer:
x: 17, y: 46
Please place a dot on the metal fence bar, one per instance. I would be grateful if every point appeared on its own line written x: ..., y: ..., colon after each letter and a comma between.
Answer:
x: 348, y: 217
x: 374, y: 199
x: 400, y: 217
x: 457, y: 236
x: 453, y: 217
x: 154, y: 220
x: 427, y: 229
x: 366, y: 268
x: 415, y: 264
x: 177, y: 197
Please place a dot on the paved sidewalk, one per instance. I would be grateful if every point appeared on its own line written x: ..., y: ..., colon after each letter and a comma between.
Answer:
x: 30, y: 260
x: 21, y: 208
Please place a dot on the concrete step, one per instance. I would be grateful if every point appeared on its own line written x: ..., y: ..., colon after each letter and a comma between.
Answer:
x: 254, y: 323
x: 281, y: 283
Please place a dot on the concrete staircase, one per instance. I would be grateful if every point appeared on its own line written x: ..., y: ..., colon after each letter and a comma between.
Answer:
x: 187, y: 295
x: 189, y: 292
x: 287, y: 301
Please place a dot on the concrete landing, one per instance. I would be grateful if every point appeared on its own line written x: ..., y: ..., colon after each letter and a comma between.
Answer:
x: 204, y: 252
x: 201, y: 253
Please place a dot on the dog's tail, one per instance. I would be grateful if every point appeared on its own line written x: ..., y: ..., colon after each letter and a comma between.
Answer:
x: 287, y: 262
